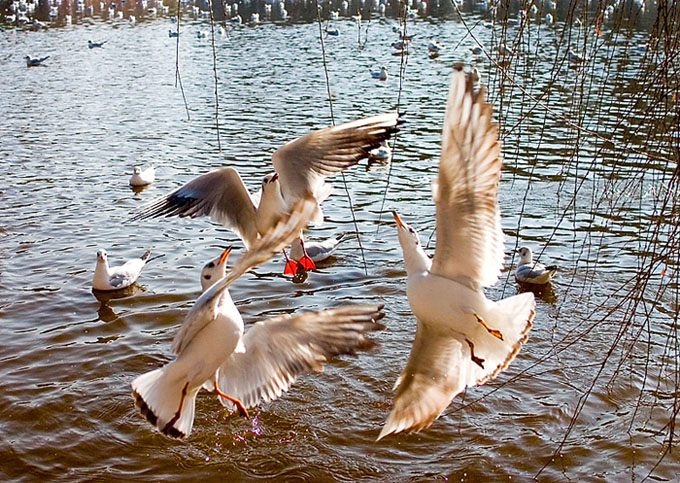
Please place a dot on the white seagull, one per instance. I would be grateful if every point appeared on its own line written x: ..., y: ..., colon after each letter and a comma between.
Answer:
x: 30, y: 62
x: 315, y: 251
x: 117, y: 278
x: 462, y: 338
x: 379, y: 74
x: 94, y: 45
x: 142, y: 177
x: 300, y: 168
x: 213, y: 352
x: 531, y: 272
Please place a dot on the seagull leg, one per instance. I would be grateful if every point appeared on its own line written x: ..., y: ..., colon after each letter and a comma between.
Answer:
x: 167, y: 429
x: 477, y: 360
x: 291, y: 265
x: 495, y: 332
x: 305, y: 260
x: 241, y: 409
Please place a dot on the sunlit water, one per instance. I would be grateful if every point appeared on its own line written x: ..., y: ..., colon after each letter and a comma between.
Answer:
x: 73, y: 131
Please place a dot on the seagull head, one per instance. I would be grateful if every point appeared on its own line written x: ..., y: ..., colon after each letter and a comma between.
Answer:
x: 525, y: 255
x: 408, y: 237
x: 138, y: 170
x: 101, y: 256
x: 214, y: 270
x: 270, y: 179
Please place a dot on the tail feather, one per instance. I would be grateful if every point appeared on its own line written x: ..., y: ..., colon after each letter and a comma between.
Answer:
x: 165, y: 401
x: 513, y: 317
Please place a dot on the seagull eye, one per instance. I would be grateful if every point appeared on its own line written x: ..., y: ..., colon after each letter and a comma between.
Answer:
x: 211, y: 265
x: 207, y: 277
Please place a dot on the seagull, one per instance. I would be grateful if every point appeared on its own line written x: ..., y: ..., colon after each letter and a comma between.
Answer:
x: 142, y: 177
x: 382, y: 154
x: 200, y: 35
x: 400, y: 44
x: 333, y: 31
x: 93, y: 45
x: 504, y: 49
x: 117, y: 278
x: 300, y: 168
x: 35, y: 62
x: 574, y: 58
x: 213, y: 352
x: 379, y: 74
x: 172, y: 33
x: 434, y: 47
x: 531, y: 272
x: 462, y: 338
x: 477, y: 50
x: 316, y: 251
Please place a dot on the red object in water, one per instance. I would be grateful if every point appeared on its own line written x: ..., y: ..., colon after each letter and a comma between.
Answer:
x: 307, y: 262
x: 291, y: 267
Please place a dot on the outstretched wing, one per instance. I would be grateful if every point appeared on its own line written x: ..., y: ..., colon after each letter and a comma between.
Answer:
x: 469, y: 237
x: 281, y: 348
x: 219, y: 194
x: 205, y: 308
x: 303, y: 163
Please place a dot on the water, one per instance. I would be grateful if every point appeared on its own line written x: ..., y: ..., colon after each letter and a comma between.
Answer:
x: 74, y: 129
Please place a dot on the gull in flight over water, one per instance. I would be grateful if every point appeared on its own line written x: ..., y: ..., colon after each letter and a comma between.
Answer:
x: 531, y: 272
x: 462, y: 338
x: 243, y: 369
x: 300, y: 168
x: 117, y: 278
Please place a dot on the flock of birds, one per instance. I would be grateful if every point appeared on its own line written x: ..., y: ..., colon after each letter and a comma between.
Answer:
x: 462, y: 338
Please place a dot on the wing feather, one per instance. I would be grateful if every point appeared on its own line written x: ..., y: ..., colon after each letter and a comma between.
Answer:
x: 282, y: 348
x: 219, y: 194
x: 303, y: 163
x: 469, y: 244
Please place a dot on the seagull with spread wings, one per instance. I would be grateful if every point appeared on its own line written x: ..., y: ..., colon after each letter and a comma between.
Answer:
x: 300, y: 169
x: 213, y: 352
x: 462, y: 338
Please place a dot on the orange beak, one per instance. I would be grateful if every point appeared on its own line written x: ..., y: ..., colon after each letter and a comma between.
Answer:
x: 224, y: 256
x: 397, y: 219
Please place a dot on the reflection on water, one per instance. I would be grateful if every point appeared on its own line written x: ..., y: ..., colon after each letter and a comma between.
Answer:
x: 77, y: 127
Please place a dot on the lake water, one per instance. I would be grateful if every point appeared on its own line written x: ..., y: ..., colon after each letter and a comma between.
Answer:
x: 74, y: 129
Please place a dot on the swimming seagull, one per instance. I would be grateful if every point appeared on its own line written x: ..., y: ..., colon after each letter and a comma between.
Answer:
x: 213, y: 352
x: 93, y: 45
x: 301, y: 166
x: 434, y: 47
x: 117, y: 278
x: 35, y: 62
x: 462, y: 338
x: 142, y: 177
x: 316, y: 251
x: 379, y: 74
x: 531, y: 272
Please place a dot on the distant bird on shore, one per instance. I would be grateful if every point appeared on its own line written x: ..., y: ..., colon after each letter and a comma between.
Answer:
x: 35, y: 62
x: 117, y: 278
x: 244, y: 369
x: 236, y: 20
x: 531, y: 272
x: 142, y: 177
x: 94, y: 45
x: 301, y: 167
x: 379, y: 74
x: 462, y: 339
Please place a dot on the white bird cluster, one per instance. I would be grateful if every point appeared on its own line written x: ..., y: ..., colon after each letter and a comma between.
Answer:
x: 463, y: 339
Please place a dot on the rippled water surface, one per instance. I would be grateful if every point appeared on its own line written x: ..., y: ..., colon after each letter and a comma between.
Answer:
x: 74, y: 129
